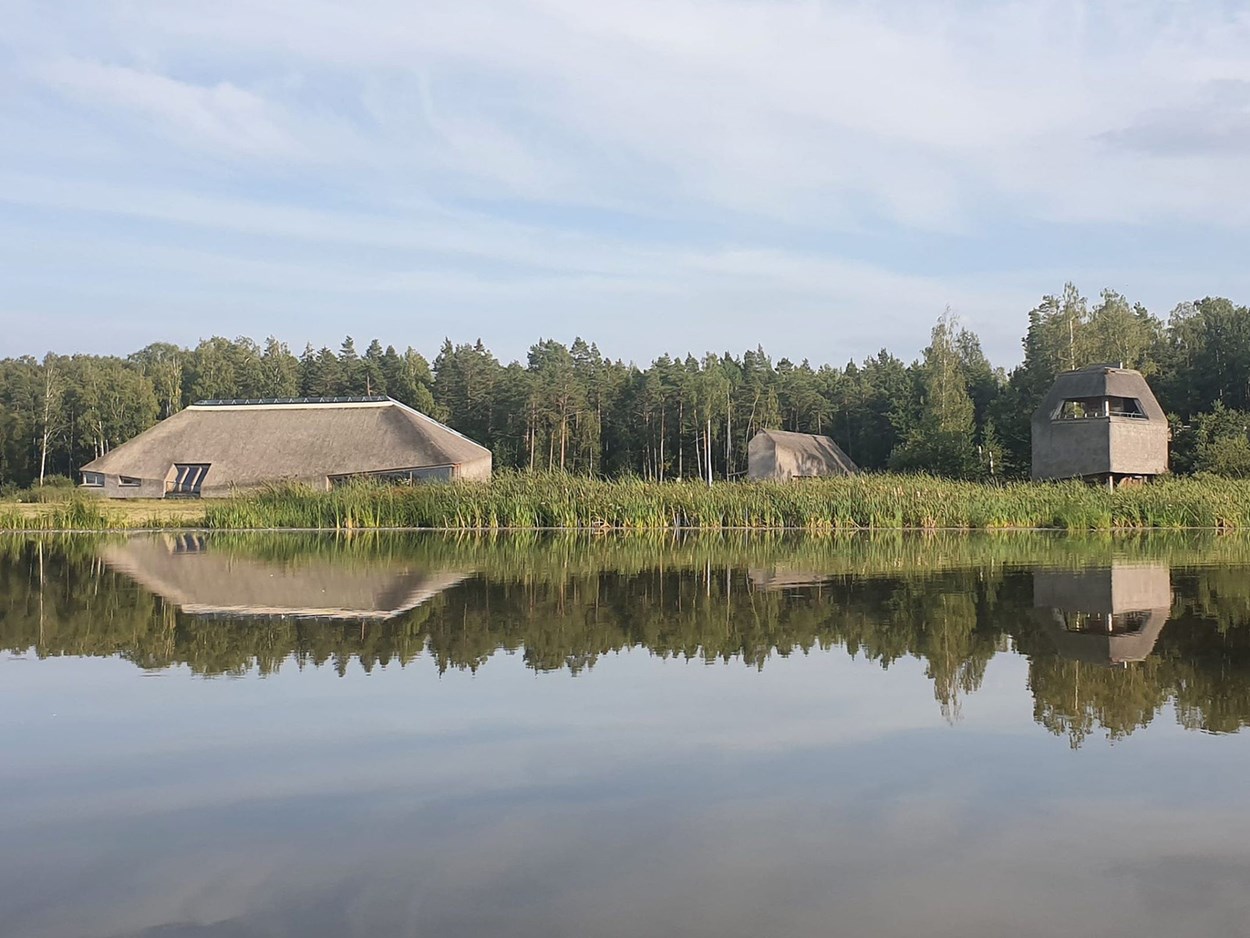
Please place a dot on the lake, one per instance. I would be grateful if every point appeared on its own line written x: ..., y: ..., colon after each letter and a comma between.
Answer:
x: 536, y: 735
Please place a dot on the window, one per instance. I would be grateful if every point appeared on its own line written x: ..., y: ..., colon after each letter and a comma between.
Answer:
x: 188, y: 544
x: 1088, y: 407
x: 188, y: 478
x: 129, y: 481
x: 401, y: 476
x: 93, y: 479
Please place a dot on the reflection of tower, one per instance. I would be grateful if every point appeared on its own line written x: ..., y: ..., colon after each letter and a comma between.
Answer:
x: 1104, y: 615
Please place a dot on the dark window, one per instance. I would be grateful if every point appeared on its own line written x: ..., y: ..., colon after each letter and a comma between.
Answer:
x: 188, y: 544
x: 129, y: 480
x: 94, y: 479
x: 1086, y: 407
x: 401, y: 476
x: 1127, y: 407
x: 189, y: 478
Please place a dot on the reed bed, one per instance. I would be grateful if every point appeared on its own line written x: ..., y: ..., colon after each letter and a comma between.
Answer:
x: 869, y: 502
x: 82, y: 512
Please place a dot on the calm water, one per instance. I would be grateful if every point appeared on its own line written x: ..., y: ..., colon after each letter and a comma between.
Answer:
x: 426, y: 735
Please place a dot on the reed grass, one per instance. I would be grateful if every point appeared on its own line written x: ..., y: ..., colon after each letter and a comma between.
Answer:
x: 868, y: 502
x: 553, y: 500
x: 82, y: 512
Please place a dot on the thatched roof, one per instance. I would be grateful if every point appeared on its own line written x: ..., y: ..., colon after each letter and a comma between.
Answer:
x: 1099, y: 381
x: 767, y: 579
x: 208, y: 581
x: 808, y: 448
x: 249, y: 443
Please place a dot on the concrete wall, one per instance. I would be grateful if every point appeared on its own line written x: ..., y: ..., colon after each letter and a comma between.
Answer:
x: 112, y: 488
x: 1096, y: 446
x: 1138, y: 447
x: 1114, y: 589
x: 1066, y: 449
x: 156, y: 488
x: 478, y: 471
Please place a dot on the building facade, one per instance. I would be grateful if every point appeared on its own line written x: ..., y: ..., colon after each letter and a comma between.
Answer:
x: 1100, y: 423
x: 215, y: 448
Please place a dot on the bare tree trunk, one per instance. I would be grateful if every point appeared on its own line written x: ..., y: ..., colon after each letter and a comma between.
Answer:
x: 533, y: 434
x: 660, y: 465
x: 681, y: 425
x: 707, y: 446
x: 48, y: 386
x: 698, y: 456
x: 564, y: 435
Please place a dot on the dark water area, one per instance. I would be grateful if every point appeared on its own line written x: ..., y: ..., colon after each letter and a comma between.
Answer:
x: 406, y: 734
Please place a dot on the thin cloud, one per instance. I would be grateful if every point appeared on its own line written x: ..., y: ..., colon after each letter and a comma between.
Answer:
x: 548, y: 160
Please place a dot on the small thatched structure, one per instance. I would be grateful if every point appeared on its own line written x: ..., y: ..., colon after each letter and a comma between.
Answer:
x: 190, y: 572
x: 781, y: 455
x: 1100, y: 423
x: 1107, y: 616
x: 780, y: 578
x: 217, y: 447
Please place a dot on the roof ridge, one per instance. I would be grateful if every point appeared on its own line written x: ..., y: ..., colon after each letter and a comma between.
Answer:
x: 253, y: 401
x: 438, y: 423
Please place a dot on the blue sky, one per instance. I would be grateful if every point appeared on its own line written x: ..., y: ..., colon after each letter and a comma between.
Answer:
x: 658, y: 175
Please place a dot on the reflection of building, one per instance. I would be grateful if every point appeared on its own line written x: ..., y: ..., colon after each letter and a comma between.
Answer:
x: 1109, y: 615
x: 781, y: 455
x: 1099, y: 423
x: 781, y: 578
x: 217, y: 447
x: 188, y: 572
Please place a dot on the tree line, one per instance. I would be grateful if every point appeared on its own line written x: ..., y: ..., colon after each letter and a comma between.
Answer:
x: 571, y: 408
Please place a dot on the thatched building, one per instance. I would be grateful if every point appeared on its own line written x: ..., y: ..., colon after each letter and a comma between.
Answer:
x: 192, y: 573
x: 214, y: 448
x: 1100, y: 423
x: 781, y: 455
x: 1108, y: 616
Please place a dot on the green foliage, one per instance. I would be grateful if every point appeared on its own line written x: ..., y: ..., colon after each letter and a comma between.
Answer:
x: 941, y: 440
x: 1217, y: 443
x: 571, y: 408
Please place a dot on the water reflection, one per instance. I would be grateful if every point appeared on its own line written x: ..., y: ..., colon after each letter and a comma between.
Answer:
x: 1104, y: 615
x: 1071, y: 608
x: 517, y: 736
x: 186, y: 571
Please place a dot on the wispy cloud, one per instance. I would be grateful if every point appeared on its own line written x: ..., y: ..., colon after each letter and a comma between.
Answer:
x: 219, y: 115
x: 874, y: 162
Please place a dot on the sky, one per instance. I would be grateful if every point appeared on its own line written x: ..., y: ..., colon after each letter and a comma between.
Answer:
x: 819, y: 178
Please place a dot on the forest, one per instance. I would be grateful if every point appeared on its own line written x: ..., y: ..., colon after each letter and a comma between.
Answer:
x: 571, y: 408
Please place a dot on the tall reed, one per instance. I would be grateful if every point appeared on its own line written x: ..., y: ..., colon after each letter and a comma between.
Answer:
x: 868, y: 502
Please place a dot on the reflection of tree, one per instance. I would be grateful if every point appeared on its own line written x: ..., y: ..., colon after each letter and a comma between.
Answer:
x: 1071, y: 698
x: 945, y: 620
x: 563, y: 605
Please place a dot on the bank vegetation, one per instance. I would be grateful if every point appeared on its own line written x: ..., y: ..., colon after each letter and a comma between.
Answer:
x: 523, y: 500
